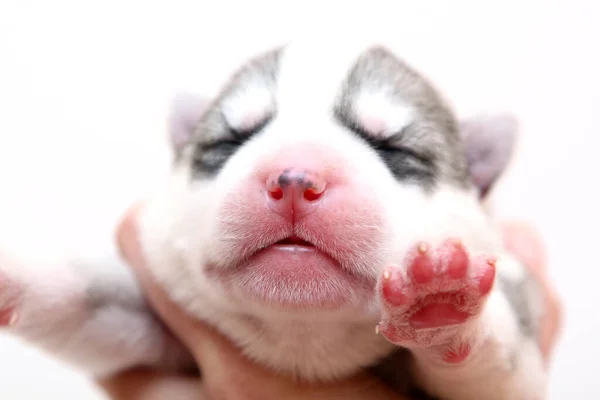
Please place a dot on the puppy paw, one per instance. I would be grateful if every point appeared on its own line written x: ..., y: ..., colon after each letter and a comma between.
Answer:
x: 432, y: 297
x: 9, y: 297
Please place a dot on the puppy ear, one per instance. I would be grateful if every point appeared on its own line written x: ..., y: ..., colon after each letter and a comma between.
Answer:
x: 185, y: 112
x: 489, y: 144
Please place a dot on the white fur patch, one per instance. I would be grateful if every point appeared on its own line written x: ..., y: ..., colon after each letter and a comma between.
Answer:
x: 308, y: 86
x: 379, y: 115
x: 510, y: 268
x: 248, y: 106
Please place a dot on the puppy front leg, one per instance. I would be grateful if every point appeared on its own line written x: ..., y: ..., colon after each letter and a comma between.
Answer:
x: 90, y: 314
x: 458, y: 314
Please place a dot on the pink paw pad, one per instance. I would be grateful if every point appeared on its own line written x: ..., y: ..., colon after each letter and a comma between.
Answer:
x: 7, y: 317
x: 457, y: 355
x: 439, y: 289
x: 8, y: 295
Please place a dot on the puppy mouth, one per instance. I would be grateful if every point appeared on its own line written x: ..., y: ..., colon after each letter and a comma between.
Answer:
x: 297, y: 273
x: 293, y: 241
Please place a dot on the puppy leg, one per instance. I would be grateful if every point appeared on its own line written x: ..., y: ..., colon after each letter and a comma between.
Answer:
x: 91, y: 314
x: 454, y: 312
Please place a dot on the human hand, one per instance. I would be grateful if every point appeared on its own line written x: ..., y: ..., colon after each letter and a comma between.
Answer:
x: 524, y: 243
x: 228, y: 375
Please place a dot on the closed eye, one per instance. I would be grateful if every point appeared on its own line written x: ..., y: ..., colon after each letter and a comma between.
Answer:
x: 390, y: 144
x: 404, y: 162
x: 246, y: 133
x: 210, y: 156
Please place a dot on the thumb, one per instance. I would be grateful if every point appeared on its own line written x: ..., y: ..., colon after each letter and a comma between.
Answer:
x: 527, y: 246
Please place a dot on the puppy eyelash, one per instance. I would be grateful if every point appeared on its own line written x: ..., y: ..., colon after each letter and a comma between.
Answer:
x: 244, y: 134
x: 212, y: 155
x: 388, y: 144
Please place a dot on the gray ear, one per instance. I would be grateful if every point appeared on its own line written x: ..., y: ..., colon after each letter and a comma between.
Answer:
x: 185, y: 111
x: 489, y: 144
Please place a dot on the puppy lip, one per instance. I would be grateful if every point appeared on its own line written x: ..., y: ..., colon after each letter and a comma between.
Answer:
x: 293, y: 241
x: 309, y: 274
x: 292, y: 244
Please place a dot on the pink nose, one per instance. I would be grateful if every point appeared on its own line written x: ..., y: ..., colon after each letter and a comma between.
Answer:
x: 294, y: 193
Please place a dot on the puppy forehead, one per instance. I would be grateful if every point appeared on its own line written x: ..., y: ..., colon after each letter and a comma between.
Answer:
x: 362, y: 84
x: 311, y: 76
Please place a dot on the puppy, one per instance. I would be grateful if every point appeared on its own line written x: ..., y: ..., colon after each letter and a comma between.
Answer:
x: 325, y: 216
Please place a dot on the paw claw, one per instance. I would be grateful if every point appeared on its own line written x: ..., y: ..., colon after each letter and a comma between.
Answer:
x: 13, y: 319
x: 387, y: 274
x: 487, y: 279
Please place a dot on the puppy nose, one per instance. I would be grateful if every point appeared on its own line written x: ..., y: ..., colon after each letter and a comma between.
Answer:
x: 294, y: 193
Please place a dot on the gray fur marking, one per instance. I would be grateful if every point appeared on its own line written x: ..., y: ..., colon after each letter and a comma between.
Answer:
x: 433, y: 136
x: 117, y: 285
x: 214, y: 141
x: 118, y: 288
x: 428, y: 151
x: 520, y: 294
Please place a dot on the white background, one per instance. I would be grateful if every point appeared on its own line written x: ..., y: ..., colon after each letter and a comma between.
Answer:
x: 84, y: 90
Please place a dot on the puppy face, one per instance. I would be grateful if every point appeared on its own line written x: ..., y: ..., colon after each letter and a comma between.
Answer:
x: 305, y: 177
